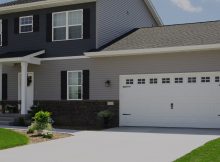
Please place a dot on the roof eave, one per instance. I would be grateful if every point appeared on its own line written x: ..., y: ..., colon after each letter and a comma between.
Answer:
x: 154, y: 12
x: 150, y: 51
x: 40, y: 5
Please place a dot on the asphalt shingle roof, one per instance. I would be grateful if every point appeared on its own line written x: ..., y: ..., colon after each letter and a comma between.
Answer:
x: 16, y: 2
x: 169, y: 36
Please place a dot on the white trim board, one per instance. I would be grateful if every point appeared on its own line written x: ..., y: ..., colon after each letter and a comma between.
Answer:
x: 29, y: 58
x: 40, y: 5
x: 149, y: 51
x: 154, y: 12
x: 64, y: 58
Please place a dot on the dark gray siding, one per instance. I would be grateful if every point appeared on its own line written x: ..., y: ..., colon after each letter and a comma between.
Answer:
x: 116, y: 17
x: 37, y: 40
x: 47, y: 75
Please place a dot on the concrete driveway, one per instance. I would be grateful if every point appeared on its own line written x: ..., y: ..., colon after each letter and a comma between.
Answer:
x: 115, y: 145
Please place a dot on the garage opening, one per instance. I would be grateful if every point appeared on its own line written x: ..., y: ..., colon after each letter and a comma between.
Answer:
x: 189, y: 100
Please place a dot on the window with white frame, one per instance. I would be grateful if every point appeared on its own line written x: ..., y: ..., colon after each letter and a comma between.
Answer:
x: 68, y: 25
x: 26, y: 24
x: 74, y: 85
x: 0, y: 32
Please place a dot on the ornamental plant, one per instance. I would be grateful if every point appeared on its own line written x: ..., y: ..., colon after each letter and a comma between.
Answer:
x: 106, y: 116
x: 42, y: 121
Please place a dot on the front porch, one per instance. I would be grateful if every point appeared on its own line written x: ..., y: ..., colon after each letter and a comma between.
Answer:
x: 22, y: 60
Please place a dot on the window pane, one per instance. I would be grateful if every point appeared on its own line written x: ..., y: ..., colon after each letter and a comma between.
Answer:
x: 26, y: 20
x: 75, y: 78
x: 27, y: 28
x: 59, y: 33
x: 75, y: 32
x: 59, y: 19
x: 75, y: 17
x: 75, y: 92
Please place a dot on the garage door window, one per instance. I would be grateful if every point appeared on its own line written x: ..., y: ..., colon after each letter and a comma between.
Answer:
x: 217, y: 79
x: 178, y: 80
x: 129, y: 81
x: 192, y: 80
x: 141, y: 81
x: 165, y: 80
x: 153, y: 81
x: 205, y: 79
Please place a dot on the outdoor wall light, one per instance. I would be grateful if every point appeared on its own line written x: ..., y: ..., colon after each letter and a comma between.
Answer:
x: 108, y: 83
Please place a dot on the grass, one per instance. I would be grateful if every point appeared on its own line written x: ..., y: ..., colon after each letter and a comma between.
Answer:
x: 210, y: 152
x: 9, y: 139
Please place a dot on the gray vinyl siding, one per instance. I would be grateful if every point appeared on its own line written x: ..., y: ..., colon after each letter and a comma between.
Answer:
x: 37, y: 40
x: 116, y: 17
x: 47, y: 75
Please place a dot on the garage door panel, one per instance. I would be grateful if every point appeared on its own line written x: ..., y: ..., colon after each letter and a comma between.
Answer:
x: 177, y: 103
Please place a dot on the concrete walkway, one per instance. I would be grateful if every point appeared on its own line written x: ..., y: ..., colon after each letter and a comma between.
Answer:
x: 114, y: 145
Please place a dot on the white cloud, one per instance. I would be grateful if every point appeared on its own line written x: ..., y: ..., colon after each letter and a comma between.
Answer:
x: 187, y: 5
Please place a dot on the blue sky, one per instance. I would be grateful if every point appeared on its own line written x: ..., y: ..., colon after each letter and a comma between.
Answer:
x: 3, y: 1
x: 185, y: 11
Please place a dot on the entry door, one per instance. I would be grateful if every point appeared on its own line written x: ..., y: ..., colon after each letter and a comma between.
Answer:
x: 30, y: 89
x: 171, y: 100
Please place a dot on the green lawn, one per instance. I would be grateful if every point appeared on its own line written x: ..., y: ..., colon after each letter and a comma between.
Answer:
x: 9, y: 139
x: 210, y: 152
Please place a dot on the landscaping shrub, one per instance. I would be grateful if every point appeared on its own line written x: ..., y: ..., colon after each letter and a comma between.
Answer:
x: 47, y: 134
x: 42, y: 121
x: 106, y: 116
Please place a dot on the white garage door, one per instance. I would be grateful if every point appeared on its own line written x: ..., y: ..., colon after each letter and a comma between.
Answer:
x: 170, y: 100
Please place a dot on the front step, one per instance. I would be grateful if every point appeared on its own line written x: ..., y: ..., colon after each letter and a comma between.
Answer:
x: 8, y: 123
x: 8, y: 119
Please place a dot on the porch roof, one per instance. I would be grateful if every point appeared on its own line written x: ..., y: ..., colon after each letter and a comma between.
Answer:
x: 21, y: 56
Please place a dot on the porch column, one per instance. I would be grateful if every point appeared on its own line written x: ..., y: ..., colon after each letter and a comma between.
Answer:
x: 24, y: 66
x: 0, y: 81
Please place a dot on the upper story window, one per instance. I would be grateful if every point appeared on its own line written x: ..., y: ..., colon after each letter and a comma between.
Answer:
x: 0, y: 32
x: 67, y: 25
x: 26, y: 24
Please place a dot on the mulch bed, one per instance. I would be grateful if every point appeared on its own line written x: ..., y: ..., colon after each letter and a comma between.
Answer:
x: 34, y: 138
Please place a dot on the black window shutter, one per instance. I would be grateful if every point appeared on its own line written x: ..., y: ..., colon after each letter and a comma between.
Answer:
x: 86, y: 84
x: 16, y: 25
x: 86, y: 23
x: 64, y: 85
x: 36, y: 25
x: 49, y: 28
x: 4, y: 32
x: 4, y: 86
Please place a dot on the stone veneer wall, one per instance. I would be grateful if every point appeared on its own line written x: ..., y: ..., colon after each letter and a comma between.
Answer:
x: 80, y: 114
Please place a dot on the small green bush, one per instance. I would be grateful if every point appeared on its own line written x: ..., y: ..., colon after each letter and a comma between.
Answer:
x: 42, y: 121
x: 47, y: 134
x: 30, y: 130
x: 105, y: 114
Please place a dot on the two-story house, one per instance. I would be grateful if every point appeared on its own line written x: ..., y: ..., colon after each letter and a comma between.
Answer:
x: 78, y: 57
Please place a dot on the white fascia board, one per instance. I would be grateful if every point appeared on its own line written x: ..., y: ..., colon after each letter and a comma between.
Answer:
x: 154, y: 12
x: 40, y: 5
x: 31, y: 60
x: 151, y: 51
x: 36, y: 53
x: 64, y: 58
